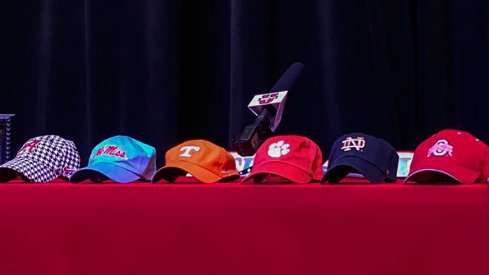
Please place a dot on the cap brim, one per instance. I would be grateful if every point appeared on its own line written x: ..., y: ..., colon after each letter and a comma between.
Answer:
x: 168, y: 172
x: 441, y: 172
x: 98, y: 171
x: 29, y: 169
x: 284, y: 170
x: 347, y: 164
x: 8, y: 174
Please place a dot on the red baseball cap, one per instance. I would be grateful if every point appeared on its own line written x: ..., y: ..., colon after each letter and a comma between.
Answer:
x: 450, y: 156
x: 295, y: 158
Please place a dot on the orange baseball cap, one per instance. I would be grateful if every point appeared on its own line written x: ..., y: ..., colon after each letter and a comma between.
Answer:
x: 204, y: 160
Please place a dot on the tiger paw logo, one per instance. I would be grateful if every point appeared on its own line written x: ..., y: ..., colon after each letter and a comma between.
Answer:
x: 278, y: 149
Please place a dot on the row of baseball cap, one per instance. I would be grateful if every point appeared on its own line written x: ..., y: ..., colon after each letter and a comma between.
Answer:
x: 449, y: 156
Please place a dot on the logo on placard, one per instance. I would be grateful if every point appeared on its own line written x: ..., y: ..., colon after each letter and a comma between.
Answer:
x: 110, y: 150
x: 353, y: 143
x: 267, y: 98
x: 441, y: 148
x: 278, y: 149
x: 187, y: 149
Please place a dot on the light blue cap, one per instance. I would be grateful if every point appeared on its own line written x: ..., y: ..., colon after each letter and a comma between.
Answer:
x: 120, y: 158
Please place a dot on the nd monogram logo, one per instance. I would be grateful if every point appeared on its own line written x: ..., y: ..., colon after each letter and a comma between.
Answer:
x: 440, y: 148
x: 353, y: 143
x: 187, y: 149
x: 265, y: 99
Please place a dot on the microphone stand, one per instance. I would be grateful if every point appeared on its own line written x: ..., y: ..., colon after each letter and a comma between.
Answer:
x: 255, y: 134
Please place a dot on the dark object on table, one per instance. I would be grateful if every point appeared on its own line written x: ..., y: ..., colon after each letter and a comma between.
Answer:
x: 5, y: 137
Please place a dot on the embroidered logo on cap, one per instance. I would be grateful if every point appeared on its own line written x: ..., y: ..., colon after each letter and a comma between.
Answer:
x: 29, y: 146
x: 440, y: 148
x: 350, y: 143
x: 68, y: 171
x: 111, y: 150
x: 278, y: 149
x: 187, y: 149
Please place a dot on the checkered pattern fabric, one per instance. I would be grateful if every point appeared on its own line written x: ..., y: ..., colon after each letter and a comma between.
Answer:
x: 44, y: 158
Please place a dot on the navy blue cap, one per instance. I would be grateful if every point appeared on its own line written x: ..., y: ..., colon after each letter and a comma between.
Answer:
x: 367, y: 155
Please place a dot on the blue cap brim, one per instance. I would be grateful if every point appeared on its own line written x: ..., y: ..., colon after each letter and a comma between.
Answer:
x: 342, y: 166
x: 111, y: 171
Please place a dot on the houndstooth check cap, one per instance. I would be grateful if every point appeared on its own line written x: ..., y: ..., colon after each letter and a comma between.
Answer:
x: 42, y: 159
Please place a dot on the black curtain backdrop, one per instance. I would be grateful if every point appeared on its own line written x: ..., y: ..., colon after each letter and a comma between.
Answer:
x: 168, y: 71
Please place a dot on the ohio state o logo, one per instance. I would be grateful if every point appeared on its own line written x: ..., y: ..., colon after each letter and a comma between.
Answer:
x: 440, y: 148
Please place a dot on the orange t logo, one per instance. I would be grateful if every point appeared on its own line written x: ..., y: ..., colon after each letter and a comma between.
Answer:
x: 186, y: 151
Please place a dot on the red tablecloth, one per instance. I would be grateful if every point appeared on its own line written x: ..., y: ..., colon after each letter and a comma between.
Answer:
x: 243, y: 229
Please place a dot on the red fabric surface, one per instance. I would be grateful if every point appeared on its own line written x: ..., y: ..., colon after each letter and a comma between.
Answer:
x: 243, y: 229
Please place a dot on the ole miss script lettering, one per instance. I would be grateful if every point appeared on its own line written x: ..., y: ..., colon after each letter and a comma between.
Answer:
x: 110, y: 150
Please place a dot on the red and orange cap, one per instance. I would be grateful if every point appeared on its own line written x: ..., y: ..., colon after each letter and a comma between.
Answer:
x: 202, y: 159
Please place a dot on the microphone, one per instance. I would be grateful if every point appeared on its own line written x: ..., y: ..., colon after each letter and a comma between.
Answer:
x: 268, y: 108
